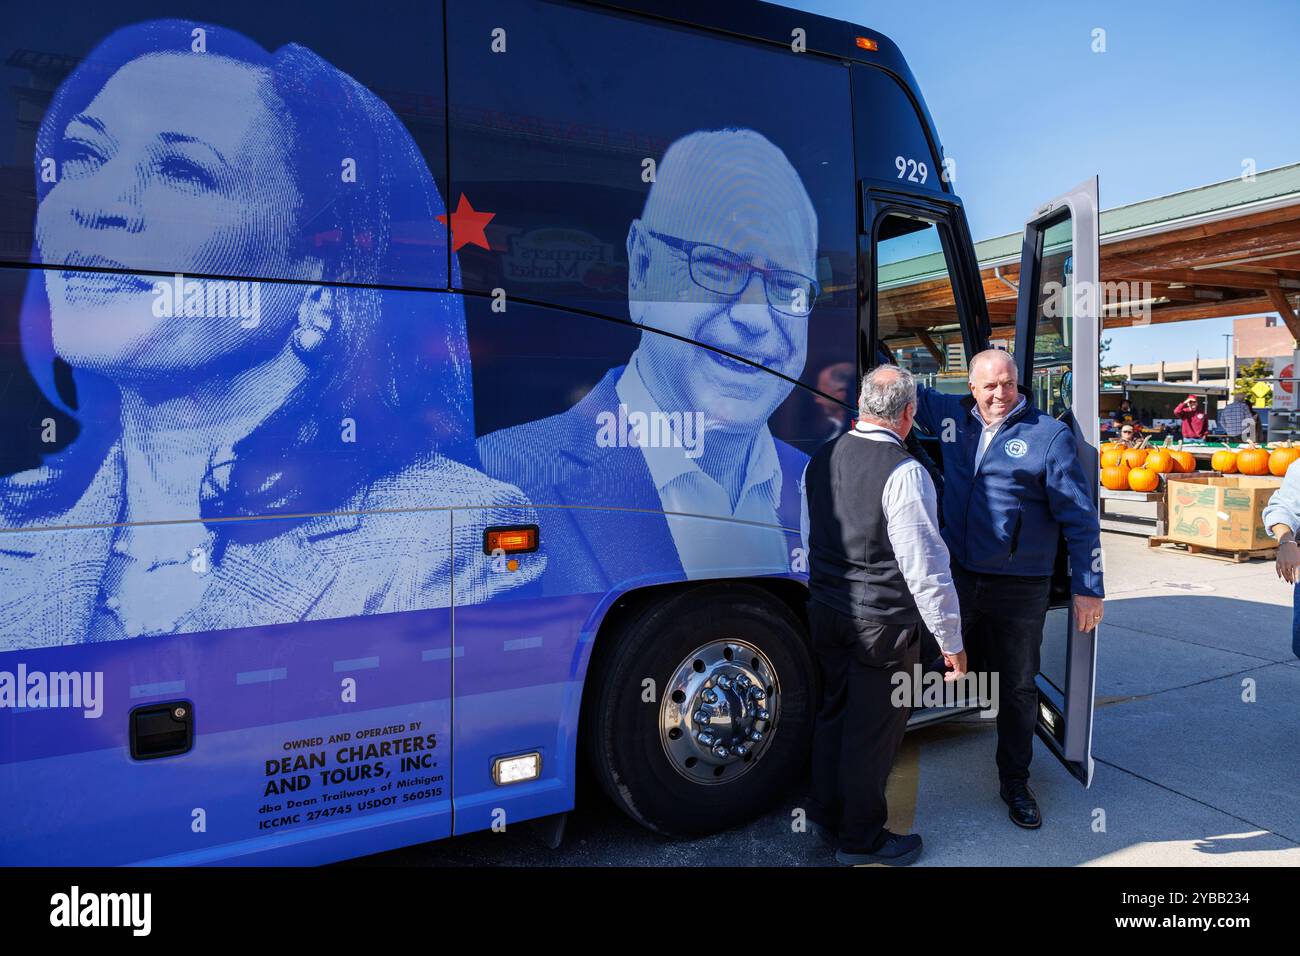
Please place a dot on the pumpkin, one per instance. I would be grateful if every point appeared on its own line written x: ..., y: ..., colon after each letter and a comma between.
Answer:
x: 1224, y: 461
x: 1111, y: 457
x: 1115, y: 478
x: 1134, y: 457
x: 1280, y: 460
x: 1252, y: 460
x: 1143, y: 479
x: 1160, y: 461
x: 1184, y: 461
x: 1111, y: 446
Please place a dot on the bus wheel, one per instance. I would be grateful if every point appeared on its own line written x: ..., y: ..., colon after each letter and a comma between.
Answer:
x: 703, y: 711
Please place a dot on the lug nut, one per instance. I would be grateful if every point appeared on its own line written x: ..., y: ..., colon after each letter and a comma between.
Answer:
x: 701, y: 716
x: 706, y: 739
x: 721, y: 752
x: 764, y: 714
x: 755, y: 736
x: 724, y: 682
x: 740, y: 750
x: 710, y: 697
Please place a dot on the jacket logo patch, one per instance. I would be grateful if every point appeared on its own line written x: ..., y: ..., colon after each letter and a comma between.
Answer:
x: 1016, y: 448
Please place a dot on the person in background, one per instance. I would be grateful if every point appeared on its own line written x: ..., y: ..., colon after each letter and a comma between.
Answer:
x: 1253, y: 429
x: 1233, y: 417
x: 1282, y: 518
x: 1123, y: 414
x: 1128, y: 435
x: 1195, y: 423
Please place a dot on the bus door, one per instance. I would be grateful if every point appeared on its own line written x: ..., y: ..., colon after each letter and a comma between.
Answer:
x: 923, y: 313
x: 1058, y: 320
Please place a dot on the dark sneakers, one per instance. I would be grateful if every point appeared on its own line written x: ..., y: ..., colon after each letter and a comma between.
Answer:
x: 891, y: 849
x: 1023, y: 808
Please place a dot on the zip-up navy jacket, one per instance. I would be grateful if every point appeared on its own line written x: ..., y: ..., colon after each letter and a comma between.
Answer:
x: 1007, y: 517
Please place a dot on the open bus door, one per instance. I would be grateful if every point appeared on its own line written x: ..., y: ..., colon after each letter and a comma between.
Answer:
x: 1058, y: 320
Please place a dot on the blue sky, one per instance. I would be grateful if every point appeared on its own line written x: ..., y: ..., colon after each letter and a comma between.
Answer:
x: 1183, y: 94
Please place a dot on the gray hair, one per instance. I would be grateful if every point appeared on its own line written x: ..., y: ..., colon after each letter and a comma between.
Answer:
x: 887, y: 390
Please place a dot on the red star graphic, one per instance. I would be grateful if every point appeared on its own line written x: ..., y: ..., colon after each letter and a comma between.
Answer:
x: 468, y: 225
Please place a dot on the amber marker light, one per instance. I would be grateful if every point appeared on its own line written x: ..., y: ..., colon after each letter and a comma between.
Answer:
x: 515, y: 539
x: 866, y: 43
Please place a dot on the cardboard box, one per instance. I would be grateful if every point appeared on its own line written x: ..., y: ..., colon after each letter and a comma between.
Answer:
x: 1220, y: 511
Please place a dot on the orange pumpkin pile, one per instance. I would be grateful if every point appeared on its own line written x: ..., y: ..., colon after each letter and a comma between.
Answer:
x: 1139, y: 469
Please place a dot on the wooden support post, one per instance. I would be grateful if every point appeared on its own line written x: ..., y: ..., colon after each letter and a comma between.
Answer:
x: 1279, y: 300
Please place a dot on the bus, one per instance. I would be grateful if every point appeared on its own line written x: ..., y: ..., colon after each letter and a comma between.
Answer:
x: 405, y: 405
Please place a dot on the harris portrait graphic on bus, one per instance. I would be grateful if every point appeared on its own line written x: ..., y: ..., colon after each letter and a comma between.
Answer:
x: 263, y: 436
x: 724, y: 254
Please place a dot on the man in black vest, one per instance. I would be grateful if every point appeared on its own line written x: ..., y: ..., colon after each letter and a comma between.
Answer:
x: 878, y: 568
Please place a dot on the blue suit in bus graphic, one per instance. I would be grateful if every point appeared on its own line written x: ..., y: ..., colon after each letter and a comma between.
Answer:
x: 723, y: 255
x: 204, y: 409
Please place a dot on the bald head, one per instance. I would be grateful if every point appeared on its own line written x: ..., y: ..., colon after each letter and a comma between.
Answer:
x: 733, y: 188
x: 994, y: 361
x: 993, y: 383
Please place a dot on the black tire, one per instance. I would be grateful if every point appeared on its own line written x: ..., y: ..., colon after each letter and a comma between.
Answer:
x: 621, y: 731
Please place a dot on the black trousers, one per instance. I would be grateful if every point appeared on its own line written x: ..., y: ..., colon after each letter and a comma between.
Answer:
x: 1002, y: 619
x: 858, y: 727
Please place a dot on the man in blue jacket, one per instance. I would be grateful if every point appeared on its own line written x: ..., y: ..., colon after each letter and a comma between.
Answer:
x: 1012, y: 485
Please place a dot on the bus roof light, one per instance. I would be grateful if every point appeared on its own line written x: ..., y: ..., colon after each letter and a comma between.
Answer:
x: 866, y: 43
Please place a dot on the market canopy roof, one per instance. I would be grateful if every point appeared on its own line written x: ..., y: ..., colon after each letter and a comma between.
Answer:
x: 1228, y: 249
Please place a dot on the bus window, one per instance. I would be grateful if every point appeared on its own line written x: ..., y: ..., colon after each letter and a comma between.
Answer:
x: 1053, y: 352
x: 891, y: 144
x: 640, y: 171
x: 916, y: 311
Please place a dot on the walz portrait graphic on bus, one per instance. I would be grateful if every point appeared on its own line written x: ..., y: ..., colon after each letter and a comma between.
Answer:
x: 724, y: 254
x: 248, y: 452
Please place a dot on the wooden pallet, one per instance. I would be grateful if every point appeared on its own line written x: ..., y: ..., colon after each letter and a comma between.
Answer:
x: 1218, y: 554
x: 1129, y: 523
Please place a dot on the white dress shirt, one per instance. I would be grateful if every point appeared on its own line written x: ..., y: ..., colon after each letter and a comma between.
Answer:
x: 986, y: 435
x: 704, y: 547
x: 912, y: 522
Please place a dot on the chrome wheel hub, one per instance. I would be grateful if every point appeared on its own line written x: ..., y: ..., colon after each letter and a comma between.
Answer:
x: 719, y: 711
